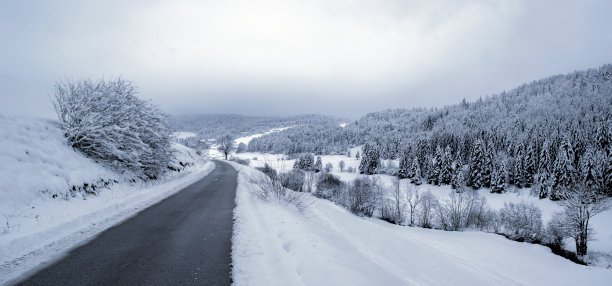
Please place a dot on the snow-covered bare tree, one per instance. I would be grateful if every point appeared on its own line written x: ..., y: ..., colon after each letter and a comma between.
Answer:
x: 106, y: 121
x: 413, y: 199
x: 581, y: 204
x: 226, y: 144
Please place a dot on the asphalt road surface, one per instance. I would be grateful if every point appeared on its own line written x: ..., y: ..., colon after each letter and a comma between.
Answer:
x: 183, y: 240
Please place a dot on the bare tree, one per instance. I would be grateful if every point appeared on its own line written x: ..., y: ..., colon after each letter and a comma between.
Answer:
x: 413, y: 200
x: 429, y: 203
x: 581, y: 204
x: 226, y: 144
x: 392, y: 208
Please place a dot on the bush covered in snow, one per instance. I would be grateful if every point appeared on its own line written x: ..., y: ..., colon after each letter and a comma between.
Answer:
x: 272, y: 189
x: 522, y: 222
x: 106, y: 121
x: 329, y: 186
x: 268, y: 171
x: 293, y: 180
x: 363, y: 196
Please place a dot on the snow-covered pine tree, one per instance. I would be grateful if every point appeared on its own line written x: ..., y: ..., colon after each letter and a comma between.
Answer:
x: 436, y: 167
x: 318, y: 166
x: 357, y: 155
x: 591, y: 174
x: 529, y: 166
x: 519, y: 168
x: 487, y: 169
x: 564, y: 173
x: 477, y: 164
x: 446, y: 172
x: 546, y: 159
x: 457, y: 180
x: 404, y: 166
x: 370, y: 159
x: 296, y: 164
x: 499, y: 183
x: 415, y: 169
x: 541, y: 186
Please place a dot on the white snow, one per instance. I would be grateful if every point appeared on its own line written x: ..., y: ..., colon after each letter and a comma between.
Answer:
x: 183, y: 135
x: 248, y: 139
x: 600, y: 223
x: 327, y: 245
x: 35, y: 163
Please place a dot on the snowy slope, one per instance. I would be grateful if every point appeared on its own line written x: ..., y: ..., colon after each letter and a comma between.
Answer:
x: 276, y: 245
x: 183, y: 135
x: 600, y: 223
x: 36, y: 163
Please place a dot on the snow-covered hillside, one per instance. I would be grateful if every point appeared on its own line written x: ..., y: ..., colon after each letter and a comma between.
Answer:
x: 327, y: 245
x: 600, y: 223
x: 48, y: 201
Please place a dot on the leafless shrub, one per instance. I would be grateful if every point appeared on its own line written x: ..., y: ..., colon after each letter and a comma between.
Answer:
x: 522, y: 222
x: 272, y: 189
x: 393, y: 208
x: 363, y: 196
x: 429, y: 204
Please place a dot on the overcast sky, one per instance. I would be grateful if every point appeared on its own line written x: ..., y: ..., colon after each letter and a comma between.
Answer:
x: 337, y: 57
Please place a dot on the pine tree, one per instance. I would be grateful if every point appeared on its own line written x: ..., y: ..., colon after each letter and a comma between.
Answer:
x: 477, y: 164
x: 542, y: 185
x: 457, y: 180
x: 404, y: 167
x: 415, y: 170
x: 564, y: 173
x: 318, y: 166
x: 607, y: 173
x: 499, y: 183
x: 357, y: 155
x: 306, y: 162
x: 436, y: 167
x: 487, y: 169
x: 591, y: 175
x: 446, y: 173
x: 519, y: 171
x: 296, y: 164
x: 546, y: 159
x: 370, y: 161
x: 529, y: 165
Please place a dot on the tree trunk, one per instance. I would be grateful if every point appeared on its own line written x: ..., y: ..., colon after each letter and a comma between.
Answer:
x: 225, y: 155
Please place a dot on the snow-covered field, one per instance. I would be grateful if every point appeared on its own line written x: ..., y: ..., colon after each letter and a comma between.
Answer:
x: 602, y: 223
x: 35, y: 164
x: 183, y: 135
x: 327, y: 245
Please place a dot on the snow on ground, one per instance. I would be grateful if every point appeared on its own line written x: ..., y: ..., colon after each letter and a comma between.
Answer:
x: 35, y: 163
x: 183, y: 135
x: 600, y: 223
x: 327, y: 245
x: 248, y: 139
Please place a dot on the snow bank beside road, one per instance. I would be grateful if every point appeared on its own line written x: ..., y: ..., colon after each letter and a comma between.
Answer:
x: 70, y: 223
x: 44, y: 207
x: 275, y: 245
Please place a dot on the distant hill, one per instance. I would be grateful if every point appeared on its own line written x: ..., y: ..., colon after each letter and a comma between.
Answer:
x: 210, y: 126
x: 568, y: 113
